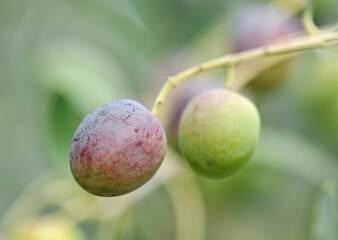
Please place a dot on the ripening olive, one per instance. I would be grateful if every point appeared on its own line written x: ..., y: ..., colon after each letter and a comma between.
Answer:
x: 117, y: 148
x: 218, y: 132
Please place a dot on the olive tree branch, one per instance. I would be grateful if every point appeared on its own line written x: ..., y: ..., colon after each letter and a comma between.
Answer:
x: 322, y: 39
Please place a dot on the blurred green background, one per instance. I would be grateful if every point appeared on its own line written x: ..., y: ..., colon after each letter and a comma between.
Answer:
x: 61, y: 59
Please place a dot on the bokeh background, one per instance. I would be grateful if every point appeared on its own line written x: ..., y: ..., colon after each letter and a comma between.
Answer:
x: 61, y: 59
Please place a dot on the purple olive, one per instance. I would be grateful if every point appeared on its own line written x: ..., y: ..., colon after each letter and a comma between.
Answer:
x: 259, y: 25
x: 117, y: 148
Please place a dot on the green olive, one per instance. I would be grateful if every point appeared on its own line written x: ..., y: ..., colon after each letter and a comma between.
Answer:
x: 218, y: 132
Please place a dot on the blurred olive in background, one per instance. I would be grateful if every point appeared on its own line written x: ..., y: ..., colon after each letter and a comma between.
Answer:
x: 259, y: 24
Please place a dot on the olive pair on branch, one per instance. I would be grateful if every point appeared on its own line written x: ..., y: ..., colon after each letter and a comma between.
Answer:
x: 120, y: 145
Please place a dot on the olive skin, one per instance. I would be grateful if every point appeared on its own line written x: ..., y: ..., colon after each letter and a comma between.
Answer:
x: 180, y: 100
x: 117, y: 148
x: 218, y: 132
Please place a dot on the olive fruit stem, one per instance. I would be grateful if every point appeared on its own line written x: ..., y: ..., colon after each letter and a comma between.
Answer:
x: 307, y: 19
x: 323, y: 39
x: 230, y: 77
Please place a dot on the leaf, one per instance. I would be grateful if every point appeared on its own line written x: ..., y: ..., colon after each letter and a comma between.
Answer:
x: 174, y: 23
x: 291, y: 153
x: 117, y: 26
x: 61, y: 123
x: 325, y: 225
x: 83, y: 74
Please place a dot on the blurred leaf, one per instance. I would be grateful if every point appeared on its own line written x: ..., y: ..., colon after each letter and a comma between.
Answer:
x: 117, y: 228
x: 258, y: 203
x: 81, y: 73
x: 155, y: 208
x: 62, y: 121
x: 175, y: 209
x: 114, y: 27
x: 174, y: 23
x: 325, y: 226
x: 290, y: 153
x: 325, y: 11
x: 117, y: 26
x: 319, y: 99
x: 51, y: 228
x: 211, y: 41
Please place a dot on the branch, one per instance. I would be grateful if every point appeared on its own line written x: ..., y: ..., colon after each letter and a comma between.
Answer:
x: 323, y: 39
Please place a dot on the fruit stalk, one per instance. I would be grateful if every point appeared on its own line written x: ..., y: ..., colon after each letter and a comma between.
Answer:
x: 308, y: 23
x: 323, y: 39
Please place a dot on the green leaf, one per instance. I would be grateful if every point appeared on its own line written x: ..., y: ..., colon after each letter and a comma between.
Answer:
x: 174, y: 23
x: 291, y: 153
x: 61, y: 123
x: 325, y: 225
x: 83, y: 74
